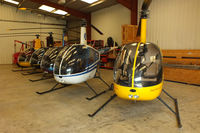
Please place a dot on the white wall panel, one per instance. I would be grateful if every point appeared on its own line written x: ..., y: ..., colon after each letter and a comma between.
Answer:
x: 174, y: 24
x: 11, y: 13
x: 109, y: 21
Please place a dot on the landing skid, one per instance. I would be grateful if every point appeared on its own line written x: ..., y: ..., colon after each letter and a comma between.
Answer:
x: 53, y: 89
x: 21, y: 70
x: 31, y: 73
x: 176, y: 112
x: 102, y: 106
x: 44, y: 77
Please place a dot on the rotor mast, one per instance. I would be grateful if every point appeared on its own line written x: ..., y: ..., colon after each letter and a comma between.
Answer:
x: 142, y: 30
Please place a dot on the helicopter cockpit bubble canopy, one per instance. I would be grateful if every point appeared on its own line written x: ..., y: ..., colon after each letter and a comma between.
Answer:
x: 24, y: 58
x: 138, y: 69
x: 37, y: 57
x: 48, y: 59
x: 76, y: 64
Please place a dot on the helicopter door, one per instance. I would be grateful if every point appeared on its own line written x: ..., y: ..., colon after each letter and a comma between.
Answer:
x: 148, y: 68
x: 124, y: 65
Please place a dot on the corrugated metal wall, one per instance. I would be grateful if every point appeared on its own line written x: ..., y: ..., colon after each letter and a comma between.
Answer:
x: 174, y: 24
x: 11, y: 13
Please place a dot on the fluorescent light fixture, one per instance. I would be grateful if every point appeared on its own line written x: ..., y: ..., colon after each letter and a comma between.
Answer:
x: 89, y: 1
x: 46, y: 8
x: 60, y: 12
x: 12, y: 1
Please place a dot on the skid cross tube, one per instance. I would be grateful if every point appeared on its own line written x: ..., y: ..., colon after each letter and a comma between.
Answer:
x: 176, y: 111
x: 102, y: 106
x: 97, y: 94
x: 91, y: 88
x: 97, y: 75
x: 52, y: 89
x: 102, y: 80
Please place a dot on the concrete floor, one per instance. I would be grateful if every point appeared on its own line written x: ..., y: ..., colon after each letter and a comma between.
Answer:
x: 65, y: 110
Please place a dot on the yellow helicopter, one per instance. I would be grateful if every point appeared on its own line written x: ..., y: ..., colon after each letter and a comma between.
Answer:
x: 138, y: 71
x: 24, y: 57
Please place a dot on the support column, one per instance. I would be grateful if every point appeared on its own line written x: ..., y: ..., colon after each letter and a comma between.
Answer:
x: 88, y: 27
x: 134, y: 11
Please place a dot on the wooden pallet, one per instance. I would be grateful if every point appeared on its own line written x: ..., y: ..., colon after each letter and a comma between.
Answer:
x: 185, y: 57
x: 129, y: 34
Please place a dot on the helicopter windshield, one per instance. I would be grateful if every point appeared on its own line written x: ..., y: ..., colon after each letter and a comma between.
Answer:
x: 76, y: 59
x: 124, y: 65
x: 25, y: 56
x: 37, y: 56
x: 49, y: 58
x: 148, y: 68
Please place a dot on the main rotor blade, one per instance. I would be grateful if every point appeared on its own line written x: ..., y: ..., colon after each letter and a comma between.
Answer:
x: 29, y: 33
x: 58, y: 39
x: 30, y: 22
x: 26, y: 33
x: 73, y: 27
x: 95, y: 28
x: 36, y: 28
x: 16, y: 35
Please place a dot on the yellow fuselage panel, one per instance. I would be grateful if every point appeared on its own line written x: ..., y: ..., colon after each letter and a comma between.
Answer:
x: 140, y: 94
x: 24, y: 63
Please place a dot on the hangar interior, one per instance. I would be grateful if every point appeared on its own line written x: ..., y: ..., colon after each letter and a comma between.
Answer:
x: 99, y: 66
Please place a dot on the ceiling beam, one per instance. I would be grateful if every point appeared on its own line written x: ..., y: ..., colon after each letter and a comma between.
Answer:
x: 126, y: 3
x: 20, y: 4
x: 73, y: 12
x: 69, y: 2
x: 134, y: 12
x: 88, y: 28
